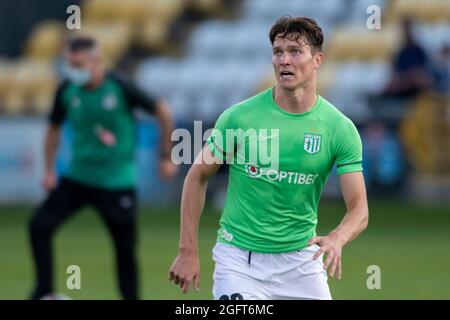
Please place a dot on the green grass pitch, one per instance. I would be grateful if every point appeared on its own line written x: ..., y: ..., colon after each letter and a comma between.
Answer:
x: 409, y: 242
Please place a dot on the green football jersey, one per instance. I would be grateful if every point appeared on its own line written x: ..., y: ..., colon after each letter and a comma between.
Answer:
x: 104, y: 131
x: 273, y: 195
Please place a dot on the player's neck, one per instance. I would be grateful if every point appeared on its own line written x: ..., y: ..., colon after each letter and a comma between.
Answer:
x: 299, y: 100
x: 97, y: 80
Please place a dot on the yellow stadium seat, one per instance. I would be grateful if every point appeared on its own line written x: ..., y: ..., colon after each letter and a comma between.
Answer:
x: 45, y: 41
x: 425, y: 132
x: 31, y: 77
x: 14, y: 104
x: 153, y: 35
x: 41, y: 103
x: 163, y: 11
x: 131, y: 11
x: 97, y: 11
x: 359, y: 43
x: 27, y: 78
x: 428, y: 11
x: 6, y: 76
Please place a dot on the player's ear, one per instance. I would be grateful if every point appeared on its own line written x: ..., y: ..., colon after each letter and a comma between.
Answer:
x: 318, y: 59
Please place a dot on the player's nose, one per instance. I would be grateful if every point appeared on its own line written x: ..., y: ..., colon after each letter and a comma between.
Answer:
x: 284, y: 59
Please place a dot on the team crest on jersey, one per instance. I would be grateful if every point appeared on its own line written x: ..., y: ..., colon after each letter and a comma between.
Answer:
x: 109, y: 102
x: 312, y: 143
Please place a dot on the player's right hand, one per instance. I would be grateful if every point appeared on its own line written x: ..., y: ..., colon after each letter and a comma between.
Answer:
x: 49, y: 181
x: 184, y: 271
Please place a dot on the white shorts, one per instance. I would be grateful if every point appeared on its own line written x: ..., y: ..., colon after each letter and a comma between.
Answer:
x: 241, y: 274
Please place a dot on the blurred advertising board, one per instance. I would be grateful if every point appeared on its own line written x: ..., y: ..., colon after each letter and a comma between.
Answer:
x: 21, y: 161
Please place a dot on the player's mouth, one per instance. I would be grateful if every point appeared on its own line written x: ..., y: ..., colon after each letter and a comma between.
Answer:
x: 286, y: 75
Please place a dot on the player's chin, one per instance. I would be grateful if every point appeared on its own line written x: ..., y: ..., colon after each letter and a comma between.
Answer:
x: 287, y: 84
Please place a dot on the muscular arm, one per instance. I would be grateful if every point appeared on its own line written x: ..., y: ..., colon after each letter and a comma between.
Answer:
x: 356, y: 218
x: 186, y: 267
x: 354, y: 222
x: 193, y: 200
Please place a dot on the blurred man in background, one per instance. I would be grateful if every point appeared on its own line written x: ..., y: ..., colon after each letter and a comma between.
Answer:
x: 99, y: 107
x: 441, y: 70
x: 267, y: 246
x: 410, y: 70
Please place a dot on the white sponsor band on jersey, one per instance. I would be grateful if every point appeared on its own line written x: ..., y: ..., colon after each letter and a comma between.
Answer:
x: 291, y: 177
x: 281, y: 176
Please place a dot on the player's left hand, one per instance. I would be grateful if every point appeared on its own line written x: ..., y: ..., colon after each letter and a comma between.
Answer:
x: 167, y: 169
x: 330, y: 245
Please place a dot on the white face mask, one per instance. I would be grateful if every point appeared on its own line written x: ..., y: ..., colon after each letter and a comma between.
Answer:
x: 78, y: 76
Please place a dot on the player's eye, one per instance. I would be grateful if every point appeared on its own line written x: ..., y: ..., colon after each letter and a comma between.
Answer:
x: 277, y: 52
x: 296, y: 51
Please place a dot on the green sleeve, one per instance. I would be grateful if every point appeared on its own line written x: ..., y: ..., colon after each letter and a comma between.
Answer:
x: 348, y: 148
x: 221, y: 142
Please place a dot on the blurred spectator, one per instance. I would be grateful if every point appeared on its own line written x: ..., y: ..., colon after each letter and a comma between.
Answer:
x: 410, y: 74
x: 441, y: 70
x: 384, y: 164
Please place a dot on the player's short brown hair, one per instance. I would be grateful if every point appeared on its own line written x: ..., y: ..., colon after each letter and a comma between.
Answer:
x: 300, y: 29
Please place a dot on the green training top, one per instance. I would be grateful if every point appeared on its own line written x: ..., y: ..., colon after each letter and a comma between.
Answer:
x: 271, y: 203
x: 104, y: 133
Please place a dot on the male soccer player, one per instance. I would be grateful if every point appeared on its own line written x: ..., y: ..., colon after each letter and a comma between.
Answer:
x: 99, y: 107
x: 267, y: 247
